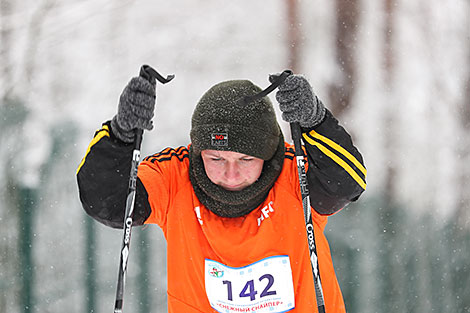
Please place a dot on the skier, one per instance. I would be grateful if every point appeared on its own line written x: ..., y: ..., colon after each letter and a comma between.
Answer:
x: 229, y: 203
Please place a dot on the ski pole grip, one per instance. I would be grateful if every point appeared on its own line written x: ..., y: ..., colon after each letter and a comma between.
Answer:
x: 296, y: 133
x: 138, y: 138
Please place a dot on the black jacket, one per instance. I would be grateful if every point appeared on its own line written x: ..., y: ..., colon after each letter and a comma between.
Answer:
x: 336, y: 174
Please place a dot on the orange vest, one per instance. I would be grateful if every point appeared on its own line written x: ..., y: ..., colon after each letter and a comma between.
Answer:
x: 194, y: 234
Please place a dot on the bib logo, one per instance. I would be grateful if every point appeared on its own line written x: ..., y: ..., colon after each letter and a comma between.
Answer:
x: 215, y: 271
x: 219, y: 139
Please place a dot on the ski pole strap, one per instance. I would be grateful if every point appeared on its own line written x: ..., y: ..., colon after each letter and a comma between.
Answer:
x: 149, y: 73
x: 276, y: 80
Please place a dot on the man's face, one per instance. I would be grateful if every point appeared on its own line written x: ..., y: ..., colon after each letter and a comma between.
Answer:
x: 231, y: 170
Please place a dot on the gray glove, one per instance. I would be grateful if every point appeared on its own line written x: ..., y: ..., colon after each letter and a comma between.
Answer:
x: 298, y: 102
x: 135, y: 110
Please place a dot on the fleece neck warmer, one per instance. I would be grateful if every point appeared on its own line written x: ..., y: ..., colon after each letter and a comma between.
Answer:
x: 227, y: 203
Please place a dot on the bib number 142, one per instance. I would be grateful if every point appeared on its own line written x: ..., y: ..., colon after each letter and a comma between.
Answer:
x: 264, y: 286
x: 249, y: 289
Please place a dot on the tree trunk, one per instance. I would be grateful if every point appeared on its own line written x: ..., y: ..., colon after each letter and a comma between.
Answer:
x: 389, y: 130
x: 27, y: 206
x: 90, y: 271
x: 463, y: 211
x: 5, y: 46
x: 341, y: 91
x: 293, y: 35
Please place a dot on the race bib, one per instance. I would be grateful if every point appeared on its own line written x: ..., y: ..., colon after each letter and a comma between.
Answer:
x: 264, y: 286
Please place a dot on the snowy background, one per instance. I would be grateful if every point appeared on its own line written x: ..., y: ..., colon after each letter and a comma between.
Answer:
x: 395, y: 72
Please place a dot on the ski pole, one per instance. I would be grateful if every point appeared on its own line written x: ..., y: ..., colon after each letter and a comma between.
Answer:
x: 296, y: 133
x: 151, y: 75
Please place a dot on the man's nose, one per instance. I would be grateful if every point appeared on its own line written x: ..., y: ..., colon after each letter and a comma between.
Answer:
x: 232, y: 170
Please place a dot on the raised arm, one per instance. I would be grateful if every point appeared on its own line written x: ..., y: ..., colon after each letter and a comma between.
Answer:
x: 103, y: 174
x: 336, y: 172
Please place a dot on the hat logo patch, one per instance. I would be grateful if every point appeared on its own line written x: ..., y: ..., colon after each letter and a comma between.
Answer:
x: 219, y: 139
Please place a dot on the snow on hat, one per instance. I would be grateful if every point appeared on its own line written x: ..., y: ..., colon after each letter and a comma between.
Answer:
x: 221, y: 121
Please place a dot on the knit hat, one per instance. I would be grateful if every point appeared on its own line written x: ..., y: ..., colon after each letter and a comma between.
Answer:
x: 221, y: 121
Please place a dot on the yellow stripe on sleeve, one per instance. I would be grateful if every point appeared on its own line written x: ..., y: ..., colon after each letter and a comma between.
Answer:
x: 340, y: 149
x: 338, y: 160
x: 103, y: 132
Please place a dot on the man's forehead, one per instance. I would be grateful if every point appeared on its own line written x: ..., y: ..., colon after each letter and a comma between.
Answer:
x: 221, y: 153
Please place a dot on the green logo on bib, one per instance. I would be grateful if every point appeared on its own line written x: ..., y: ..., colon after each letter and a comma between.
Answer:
x: 215, y: 271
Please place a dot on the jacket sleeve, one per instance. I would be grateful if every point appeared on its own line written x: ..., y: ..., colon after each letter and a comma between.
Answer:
x: 103, y: 180
x: 336, y: 173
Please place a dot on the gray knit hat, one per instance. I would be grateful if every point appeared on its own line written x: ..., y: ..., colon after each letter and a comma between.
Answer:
x: 221, y: 121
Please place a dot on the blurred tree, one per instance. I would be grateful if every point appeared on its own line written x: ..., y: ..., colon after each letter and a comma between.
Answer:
x: 389, y: 121
x: 19, y: 210
x: 461, y: 277
x: 460, y: 225
x: 388, y: 220
x: 5, y: 48
x: 294, y: 36
x: 463, y: 210
x: 35, y: 29
x: 14, y: 112
x: 90, y: 267
x: 27, y: 204
x: 347, y: 21
x: 143, y: 278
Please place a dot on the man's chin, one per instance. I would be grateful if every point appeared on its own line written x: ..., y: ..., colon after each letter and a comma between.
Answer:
x: 234, y: 188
